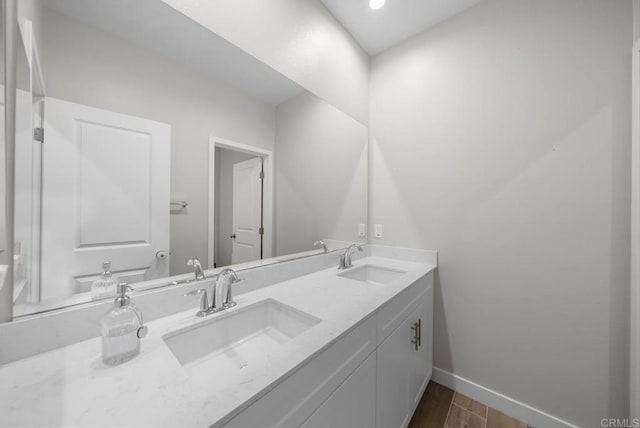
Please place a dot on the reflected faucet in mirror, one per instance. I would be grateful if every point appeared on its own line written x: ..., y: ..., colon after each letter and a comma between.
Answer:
x: 320, y: 243
x: 197, y: 268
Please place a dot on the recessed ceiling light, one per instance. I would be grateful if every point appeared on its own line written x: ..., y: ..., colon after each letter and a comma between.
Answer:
x: 376, y: 4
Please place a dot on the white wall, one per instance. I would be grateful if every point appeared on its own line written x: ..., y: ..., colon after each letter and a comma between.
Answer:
x: 225, y: 159
x: 87, y: 66
x: 300, y: 39
x: 321, y: 174
x: 503, y: 140
x: 636, y: 20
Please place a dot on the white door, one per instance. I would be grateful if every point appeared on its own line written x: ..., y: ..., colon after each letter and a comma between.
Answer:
x: 421, y: 359
x: 105, y: 197
x: 392, y: 380
x: 247, y: 211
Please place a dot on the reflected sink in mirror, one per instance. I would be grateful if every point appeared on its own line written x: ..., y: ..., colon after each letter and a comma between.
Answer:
x: 240, y: 336
x: 372, y: 274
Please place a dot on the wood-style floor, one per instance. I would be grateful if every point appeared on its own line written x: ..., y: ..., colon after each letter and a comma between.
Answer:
x: 440, y: 407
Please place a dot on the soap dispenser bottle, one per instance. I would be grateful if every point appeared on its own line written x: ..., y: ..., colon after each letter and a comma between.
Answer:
x: 106, y: 285
x: 122, y: 329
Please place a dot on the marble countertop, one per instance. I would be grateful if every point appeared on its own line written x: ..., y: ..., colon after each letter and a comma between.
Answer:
x: 71, y: 386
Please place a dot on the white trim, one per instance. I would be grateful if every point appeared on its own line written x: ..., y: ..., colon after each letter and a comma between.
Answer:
x: 634, y: 360
x: 36, y: 92
x: 531, y: 416
x: 268, y: 162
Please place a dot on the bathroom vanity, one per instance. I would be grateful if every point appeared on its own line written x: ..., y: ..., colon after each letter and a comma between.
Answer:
x: 333, y: 347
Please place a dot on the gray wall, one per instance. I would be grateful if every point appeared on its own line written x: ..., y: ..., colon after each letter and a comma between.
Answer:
x: 503, y: 140
x: 321, y: 174
x: 90, y: 67
x: 225, y: 159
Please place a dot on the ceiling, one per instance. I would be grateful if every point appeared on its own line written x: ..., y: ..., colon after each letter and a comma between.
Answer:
x: 153, y: 25
x: 377, y: 30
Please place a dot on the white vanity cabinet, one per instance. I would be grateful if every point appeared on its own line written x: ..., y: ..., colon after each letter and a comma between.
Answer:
x: 374, y: 376
x: 405, y: 360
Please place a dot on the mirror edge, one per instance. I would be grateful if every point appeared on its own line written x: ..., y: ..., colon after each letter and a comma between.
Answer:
x: 10, y: 24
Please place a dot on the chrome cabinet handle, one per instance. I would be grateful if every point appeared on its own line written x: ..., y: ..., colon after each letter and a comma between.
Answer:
x: 415, y: 340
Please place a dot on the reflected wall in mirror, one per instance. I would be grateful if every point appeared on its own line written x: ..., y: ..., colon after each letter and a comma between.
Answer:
x: 164, y: 143
x: 5, y: 303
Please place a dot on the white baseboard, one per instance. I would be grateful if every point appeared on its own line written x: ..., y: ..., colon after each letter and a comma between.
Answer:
x: 532, y: 417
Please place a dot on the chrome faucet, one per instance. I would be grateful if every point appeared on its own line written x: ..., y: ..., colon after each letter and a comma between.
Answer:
x: 197, y: 267
x: 320, y: 242
x: 207, y: 308
x: 345, y: 259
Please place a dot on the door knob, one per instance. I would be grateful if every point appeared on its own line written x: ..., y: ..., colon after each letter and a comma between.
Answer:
x: 232, y: 236
x: 161, y: 255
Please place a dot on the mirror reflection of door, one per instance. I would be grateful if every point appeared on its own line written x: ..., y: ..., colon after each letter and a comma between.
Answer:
x: 239, y: 207
x: 105, y: 197
x: 247, y: 211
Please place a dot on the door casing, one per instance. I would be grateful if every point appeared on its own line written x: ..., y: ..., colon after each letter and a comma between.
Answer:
x: 267, y: 193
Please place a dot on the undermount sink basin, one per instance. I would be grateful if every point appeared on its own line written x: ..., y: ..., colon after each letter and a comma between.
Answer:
x: 241, y: 335
x: 372, y: 274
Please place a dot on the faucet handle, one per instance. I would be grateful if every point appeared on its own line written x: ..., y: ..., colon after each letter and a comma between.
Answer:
x: 228, y: 301
x: 343, y: 262
x: 204, y: 301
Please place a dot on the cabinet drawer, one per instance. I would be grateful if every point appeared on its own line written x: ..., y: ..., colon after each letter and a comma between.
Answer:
x: 297, y: 397
x: 390, y: 316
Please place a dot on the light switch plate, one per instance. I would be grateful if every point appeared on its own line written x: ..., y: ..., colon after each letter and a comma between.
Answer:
x: 378, y: 231
x: 361, y: 230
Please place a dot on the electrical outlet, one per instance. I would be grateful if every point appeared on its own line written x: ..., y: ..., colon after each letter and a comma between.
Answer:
x: 361, y: 230
x: 378, y: 231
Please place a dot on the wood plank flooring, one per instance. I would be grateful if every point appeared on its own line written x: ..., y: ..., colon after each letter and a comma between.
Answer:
x: 440, y: 407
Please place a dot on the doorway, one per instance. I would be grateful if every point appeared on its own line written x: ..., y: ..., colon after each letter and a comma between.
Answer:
x: 240, y: 203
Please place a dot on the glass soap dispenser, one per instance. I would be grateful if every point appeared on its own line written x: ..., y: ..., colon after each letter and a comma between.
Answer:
x: 122, y: 329
x: 106, y: 285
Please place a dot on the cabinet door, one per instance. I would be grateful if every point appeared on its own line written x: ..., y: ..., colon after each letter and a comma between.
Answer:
x: 392, y: 407
x: 421, y: 359
x: 352, y: 405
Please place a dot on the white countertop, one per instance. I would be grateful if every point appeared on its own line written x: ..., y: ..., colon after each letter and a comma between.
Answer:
x: 71, y: 387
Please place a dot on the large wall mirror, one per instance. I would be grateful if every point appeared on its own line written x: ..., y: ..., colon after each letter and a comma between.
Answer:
x: 164, y: 143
